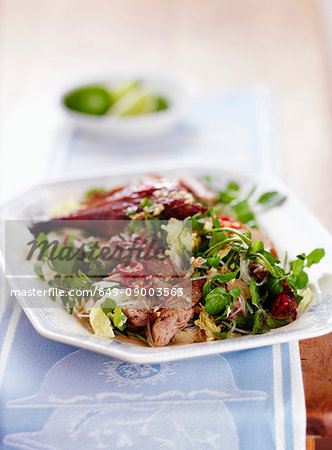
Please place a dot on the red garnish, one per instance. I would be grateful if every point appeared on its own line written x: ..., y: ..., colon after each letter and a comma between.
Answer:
x: 280, y: 305
x: 284, y: 306
x: 228, y: 222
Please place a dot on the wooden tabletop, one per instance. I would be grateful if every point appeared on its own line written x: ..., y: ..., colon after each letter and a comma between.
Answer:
x: 219, y: 45
x: 316, y: 358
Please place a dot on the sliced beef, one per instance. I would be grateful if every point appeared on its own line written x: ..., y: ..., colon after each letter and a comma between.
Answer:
x: 116, y: 277
x: 98, y: 196
x: 173, y: 201
x: 167, y: 322
x: 198, y: 189
x: 257, y: 235
x: 180, y: 207
x: 153, y: 270
x: 237, y: 310
x: 259, y: 272
x: 137, y: 317
x: 197, y: 290
x: 169, y: 319
x: 110, y: 208
x: 163, y: 269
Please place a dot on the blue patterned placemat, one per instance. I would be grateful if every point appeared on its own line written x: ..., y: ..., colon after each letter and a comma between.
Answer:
x: 54, y: 396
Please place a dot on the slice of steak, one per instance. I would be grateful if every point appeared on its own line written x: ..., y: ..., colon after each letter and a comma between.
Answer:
x: 167, y: 322
x: 169, y: 319
x: 198, y: 189
x: 258, y: 272
x: 180, y: 208
x: 98, y: 196
x: 169, y: 198
x: 257, y: 235
x: 116, y: 277
x: 98, y: 217
x: 161, y: 269
x: 197, y: 290
x: 137, y: 317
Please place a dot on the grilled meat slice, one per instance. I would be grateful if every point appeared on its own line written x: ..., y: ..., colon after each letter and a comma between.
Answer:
x: 137, y: 317
x: 257, y: 235
x: 259, y: 272
x: 197, y: 290
x: 98, y: 196
x: 167, y: 322
x: 162, y: 269
x: 169, y: 198
x: 198, y: 189
x: 169, y: 319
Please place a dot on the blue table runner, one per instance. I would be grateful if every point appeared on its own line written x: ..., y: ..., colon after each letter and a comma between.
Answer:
x: 54, y: 396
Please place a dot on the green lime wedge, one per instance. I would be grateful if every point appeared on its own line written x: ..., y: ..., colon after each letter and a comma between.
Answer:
x: 89, y: 100
x: 118, y: 90
x: 161, y: 104
x: 136, y: 102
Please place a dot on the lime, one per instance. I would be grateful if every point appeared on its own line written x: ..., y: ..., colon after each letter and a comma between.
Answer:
x: 89, y: 100
x: 137, y: 101
x: 161, y: 103
x: 118, y: 90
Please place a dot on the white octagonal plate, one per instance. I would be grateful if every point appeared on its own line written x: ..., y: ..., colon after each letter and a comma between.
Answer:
x: 291, y: 226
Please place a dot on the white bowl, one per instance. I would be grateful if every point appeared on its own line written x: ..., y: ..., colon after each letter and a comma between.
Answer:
x: 178, y: 92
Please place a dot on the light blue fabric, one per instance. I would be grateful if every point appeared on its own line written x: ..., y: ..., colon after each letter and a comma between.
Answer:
x: 54, y: 396
x: 234, y: 131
